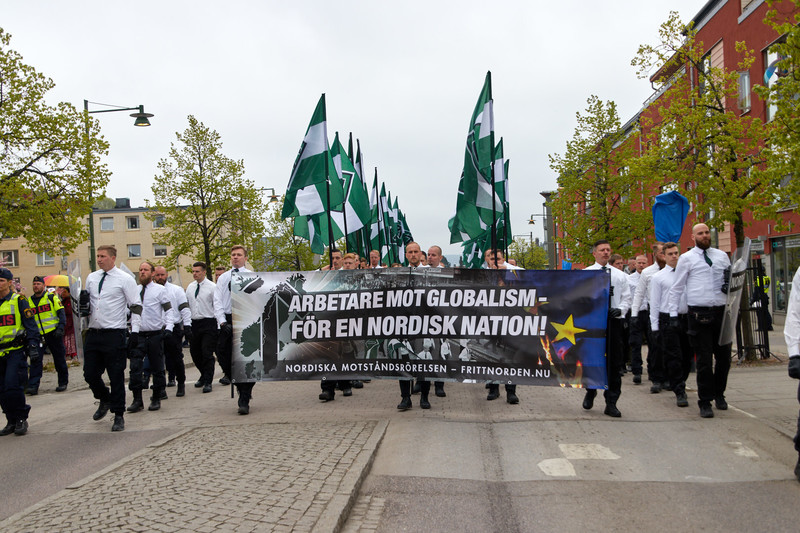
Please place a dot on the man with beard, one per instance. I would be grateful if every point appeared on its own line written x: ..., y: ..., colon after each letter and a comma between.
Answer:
x: 655, y: 367
x: 702, y: 275
x: 173, y: 345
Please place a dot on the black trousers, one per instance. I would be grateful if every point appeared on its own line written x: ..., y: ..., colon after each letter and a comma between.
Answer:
x: 173, y: 354
x: 202, y: 346
x: 105, y: 350
x: 614, y: 360
x: 639, y: 327
x: 224, y: 353
x: 713, y: 359
x: 405, y: 387
x: 676, y: 350
x: 797, y: 436
x: 13, y: 372
x: 151, y: 346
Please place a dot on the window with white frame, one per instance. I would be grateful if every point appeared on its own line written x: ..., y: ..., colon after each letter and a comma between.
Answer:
x: 744, y: 91
x: 45, y: 259
x: 9, y: 258
x: 134, y: 250
x: 133, y: 222
x: 158, y: 222
x: 106, y: 223
x: 159, y: 250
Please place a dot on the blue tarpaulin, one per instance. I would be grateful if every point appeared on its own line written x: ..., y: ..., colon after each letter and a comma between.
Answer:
x: 669, y: 216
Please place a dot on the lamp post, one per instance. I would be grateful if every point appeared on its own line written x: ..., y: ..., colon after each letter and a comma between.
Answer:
x: 141, y: 121
x: 550, y: 231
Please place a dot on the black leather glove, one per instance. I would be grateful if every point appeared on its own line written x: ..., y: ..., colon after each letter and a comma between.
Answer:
x: 187, y: 333
x: 726, y: 280
x: 674, y: 322
x: 58, y: 333
x: 614, y: 312
x: 794, y: 367
x: 33, y: 353
x: 226, y: 328
x: 133, y: 341
x: 83, y: 300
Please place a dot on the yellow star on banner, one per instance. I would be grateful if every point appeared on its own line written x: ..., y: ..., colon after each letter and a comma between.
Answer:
x: 567, y: 330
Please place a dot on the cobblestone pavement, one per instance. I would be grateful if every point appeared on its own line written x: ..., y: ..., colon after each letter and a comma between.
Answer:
x: 266, y: 477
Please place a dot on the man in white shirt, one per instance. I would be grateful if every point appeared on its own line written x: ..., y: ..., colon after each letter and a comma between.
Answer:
x: 638, y: 325
x: 224, y: 316
x: 157, y: 316
x: 655, y: 364
x: 109, y: 294
x: 204, y: 332
x: 173, y: 344
x: 791, y: 333
x: 702, y: 274
x: 374, y: 259
x: 618, y: 305
x: 674, y: 346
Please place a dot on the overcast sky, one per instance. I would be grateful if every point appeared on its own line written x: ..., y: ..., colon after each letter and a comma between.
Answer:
x: 403, y: 77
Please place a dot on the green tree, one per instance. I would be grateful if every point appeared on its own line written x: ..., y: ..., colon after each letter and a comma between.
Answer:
x: 696, y: 139
x: 783, y: 136
x: 597, y: 191
x: 284, y: 251
x: 528, y: 254
x: 49, y: 167
x: 206, y: 202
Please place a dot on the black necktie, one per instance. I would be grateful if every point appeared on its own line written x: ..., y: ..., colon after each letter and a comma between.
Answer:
x: 100, y: 287
x: 708, y: 259
x: 605, y: 269
x: 197, y: 290
x: 673, y: 270
x: 141, y: 294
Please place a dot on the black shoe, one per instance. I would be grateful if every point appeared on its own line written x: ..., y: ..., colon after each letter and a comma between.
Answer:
x: 181, y: 389
x: 8, y: 430
x: 682, y: 400
x: 666, y: 386
x: 327, y: 395
x: 494, y: 392
x: 512, y: 398
x: 199, y: 383
x: 155, y: 404
x: 31, y: 392
x: 171, y: 383
x: 405, y: 404
x: 61, y: 388
x: 347, y: 391
x: 119, y: 423
x: 244, y: 406
x: 637, y: 379
x: 655, y: 388
x: 611, y: 410
x: 102, y: 410
x: 136, y: 406
x: 721, y: 404
x: 588, y: 400
x: 440, y: 393
x: 225, y: 380
x: 706, y: 411
x: 21, y: 427
x: 417, y: 388
x: 207, y: 387
x: 424, y: 403
x: 357, y: 384
x: 163, y: 395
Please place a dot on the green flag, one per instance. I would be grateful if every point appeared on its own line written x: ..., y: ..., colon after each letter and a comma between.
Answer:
x: 312, y: 188
x: 314, y: 228
x: 356, y: 204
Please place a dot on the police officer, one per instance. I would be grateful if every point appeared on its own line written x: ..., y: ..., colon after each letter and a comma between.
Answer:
x: 18, y: 333
x: 52, y: 321
x: 223, y: 313
x: 701, y: 276
x: 203, y: 336
x: 158, y: 319
x: 109, y: 294
x: 791, y: 333
x: 173, y: 344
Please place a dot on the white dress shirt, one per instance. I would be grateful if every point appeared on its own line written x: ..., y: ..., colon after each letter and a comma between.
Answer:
x: 157, y: 312
x: 640, y: 302
x: 202, y: 305
x: 791, y: 327
x: 109, y: 306
x: 222, y: 295
x: 633, y: 282
x: 700, y: 282
x: 660, y: 284
x: 180, y: 304
x: 621, y: 297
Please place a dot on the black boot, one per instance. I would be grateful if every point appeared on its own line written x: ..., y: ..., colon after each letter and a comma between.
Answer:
x: 181, y: 390
x: 494, y: 392
x: 119, y: 423
x: 155, y: 401
x: 423, y: 401
x: 244, y: 403
x: 405, y: 403
x: 137, y: 404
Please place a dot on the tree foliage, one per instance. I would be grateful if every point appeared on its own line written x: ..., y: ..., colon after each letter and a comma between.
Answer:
x: 527, y: 254
x: 696, y: 139
x: 207, y: 204
x: 49, y: 160
x: 783, y: 136
x: 284, y: 251
x: 597, y: 191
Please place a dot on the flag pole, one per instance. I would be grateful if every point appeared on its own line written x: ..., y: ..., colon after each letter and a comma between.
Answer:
x: 380, y: 221
x: 328, y: 193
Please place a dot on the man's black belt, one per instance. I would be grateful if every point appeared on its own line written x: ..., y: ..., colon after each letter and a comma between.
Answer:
x: 150, y: 333
x: 700, y: 309
x: 110, y: 330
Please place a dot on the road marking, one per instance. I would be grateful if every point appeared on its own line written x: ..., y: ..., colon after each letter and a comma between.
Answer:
x: 557, y: 467
x: 587, y: 451
x: 742, y: 450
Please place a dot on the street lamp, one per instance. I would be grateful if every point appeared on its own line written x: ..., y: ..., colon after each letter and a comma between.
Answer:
x: 141, y: 121
x: 273, y: 198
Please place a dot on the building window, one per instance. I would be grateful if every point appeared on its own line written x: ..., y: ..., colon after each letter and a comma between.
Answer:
x: 158, y: 222
x: 106, y: 223
x: 9, y: 258
x: 159, y: 250
x: 744, y: 91
x: 133, y: 222
x: 45, y: 259
x: 134, y: 251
